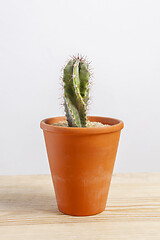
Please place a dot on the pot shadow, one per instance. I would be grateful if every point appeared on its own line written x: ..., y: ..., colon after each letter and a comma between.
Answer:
x: 18, y: 201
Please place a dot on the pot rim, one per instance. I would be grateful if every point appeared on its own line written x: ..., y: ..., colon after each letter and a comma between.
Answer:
x: 116, y: 125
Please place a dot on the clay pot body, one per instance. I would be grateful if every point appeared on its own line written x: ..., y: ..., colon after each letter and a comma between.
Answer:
x: 81, y: 162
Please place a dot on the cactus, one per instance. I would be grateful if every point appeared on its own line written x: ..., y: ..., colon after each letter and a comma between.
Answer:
x: 76, y: 77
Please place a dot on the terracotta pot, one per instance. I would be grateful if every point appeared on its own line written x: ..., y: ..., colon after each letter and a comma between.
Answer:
x: 81, y: 162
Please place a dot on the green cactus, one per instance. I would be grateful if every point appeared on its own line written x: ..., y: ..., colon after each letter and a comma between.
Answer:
x: 76, y: 77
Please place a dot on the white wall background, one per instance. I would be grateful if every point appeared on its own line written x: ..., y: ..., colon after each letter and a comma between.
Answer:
x: 121, y: 37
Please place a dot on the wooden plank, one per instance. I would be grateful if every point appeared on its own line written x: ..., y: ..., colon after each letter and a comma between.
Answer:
x: 28, y: 210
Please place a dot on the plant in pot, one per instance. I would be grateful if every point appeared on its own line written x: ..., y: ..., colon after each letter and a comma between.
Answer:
x: 81, y: 150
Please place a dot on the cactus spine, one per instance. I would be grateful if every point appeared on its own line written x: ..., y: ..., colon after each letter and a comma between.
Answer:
x: 76, y: 91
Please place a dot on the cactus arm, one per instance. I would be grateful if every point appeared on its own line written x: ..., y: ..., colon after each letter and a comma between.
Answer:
x: 67, y: 78
x: 84, y: 76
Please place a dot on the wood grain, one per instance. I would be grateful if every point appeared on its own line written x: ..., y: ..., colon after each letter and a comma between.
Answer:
x: 28, y: 210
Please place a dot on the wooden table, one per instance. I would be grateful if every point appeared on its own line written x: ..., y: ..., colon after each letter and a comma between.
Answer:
x: 28, y: 210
